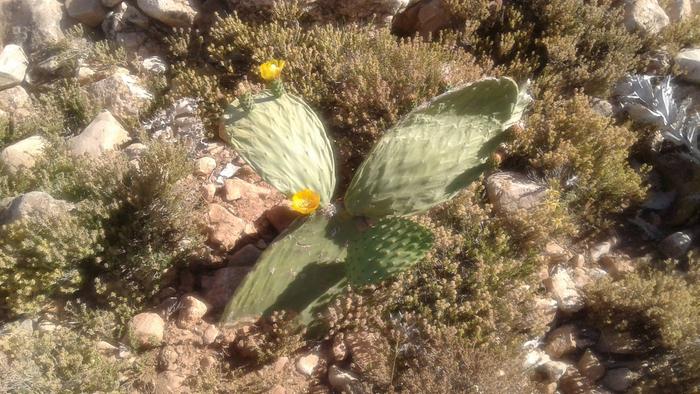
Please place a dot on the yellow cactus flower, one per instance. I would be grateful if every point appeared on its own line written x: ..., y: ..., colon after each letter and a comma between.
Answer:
x: 305, y: 201
x: 271, y: 70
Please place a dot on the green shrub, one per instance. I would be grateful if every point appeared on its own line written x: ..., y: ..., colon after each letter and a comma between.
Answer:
x: 360, y: 79
x: 584, y: 154
x: 564, y: 44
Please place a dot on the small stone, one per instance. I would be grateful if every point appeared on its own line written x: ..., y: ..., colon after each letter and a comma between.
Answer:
x: 106, y: 347
x: 225, y: 228
x: 339, y: 350
x: 13, y: 66
x: 229, y: 170
x: 307, y: 364
x: 103, y: 134
x: 208, y: 361
x: 553, y: 370
x: 688, y: 61
x: 590, y: 366
x: 220, y: 286
x: 232, y: 190
x: 146, y: 330
x: 343, y: 381
x: 600, y: 250
x: 617, y: 266
x: 155, y: 65
x: 645, y: 16
x: 277, y: 389
x: 247, y: 255
x: 192, y: 311
x: 210, y: 335
x: 169, y: 382
x: 676, y: 244
x: 89, y: 12
x: 510, y: 192
x: 209, y: 192
x: 23, y: 154
x: 174, y: 13
x: 280, y: 363
x: 562, y: 341
x: 619, y: 379
x: 46, y: 326
x: 281, y: 216
x: 564, y: 290
x: 204, y: 166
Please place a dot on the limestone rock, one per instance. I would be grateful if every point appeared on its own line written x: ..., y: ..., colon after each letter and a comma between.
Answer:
x: 590, y: 366
x: 45, y: 21
x: 562, y: 341
x: 219, y: 286
x: 89, y: 12
x: 13, y: 66
x: 208, y: 192
x: 210, y: 335
x: 111, y: 3
x: 121, y: 93
x: 688, y: 61
x: 103, y: 134
x: 617, y: 266
x: 343, y: 381
x: 425, y: 17
x: 146, y: 330
x: 645, y: 16
x: 23, y: 153
x: 192, y: 311
x: 510, y: 192
x: 680, y: 10
x: 307, y: 364
x: 204, y: 166
x: 125, y: 18
x: 32, y: 205
x: 174, y: 13
x: 225, y: 228
x: 15, y: 102
x: 564, y: 290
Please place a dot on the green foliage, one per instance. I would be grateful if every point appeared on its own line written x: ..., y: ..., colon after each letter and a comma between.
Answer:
x: 564, y: 44
x: 584, y: 154
x: 386, y: 249
x: 60, y: 361
x: 359, y: 78
x: 285, y: 142
x: 436, y: 150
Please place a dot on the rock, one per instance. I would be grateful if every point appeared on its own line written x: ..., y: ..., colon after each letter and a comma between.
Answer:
x: 544, y: 314
x: 13, y: 66
x: 111, y: 3
x: 16, y: 103
x: 645, y: 16
x: 307, y: 364
x: 425, y: 17
x: 619, y: 379
x: 155, y: 64
x: 45, y: 21
x: 600, y: 250
x: 343, y: 381
x: 677, y: 244
x: 106, y: 347
x: 204, y: 166
x: 125, y: 18
x: 562, y: 341
x: 135, y: 151
x: 247, y: 255
x: 569, y: 300
x: 680, y: 10
x: 88, y: 12
x: 339, y: 350
x: 281, y: 216
x: 169, y: 382
x: 617, y: 266
x: 235, y: 188
x: 208, y: 192
x: 553, y: 370
x: 103, y: 134
x: 120, y: 93
x: 174, y: 13
x: 277, y: 389
x: 688, y: 62
x: 23, y: 153
x: 590, y: 366
x: 33, y: 205
x: 219, y: 287
x: 192, y: 311
x: 602, y: 107
x: 146, y: 330
x: 617, y: 342
x: 572, y: 382
x: 210, y: 335
x: 225, y: 229
x: 510, y: 192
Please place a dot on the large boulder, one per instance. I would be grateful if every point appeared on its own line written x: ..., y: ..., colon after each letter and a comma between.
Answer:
x: 88, y: 12
x: 13, y: 66
x: 32, y: 205
x: 34, y: 23
x: 103, y: 134
x: 174, y: 13
x: 23, y: 153
x: 121, y: 93
x: 645, y: 16
x: 688, y: 61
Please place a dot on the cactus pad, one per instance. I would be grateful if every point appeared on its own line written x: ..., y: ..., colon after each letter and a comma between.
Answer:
x: 285, y: 142
x: 436, y: 150
x: 295, y: 270
x: 391, y: 246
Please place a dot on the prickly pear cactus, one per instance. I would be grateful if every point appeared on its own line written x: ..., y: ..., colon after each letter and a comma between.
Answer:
x: 436, y: 150
x: 285, y: 142
x: 391, y: 246
x: 296, y: 270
